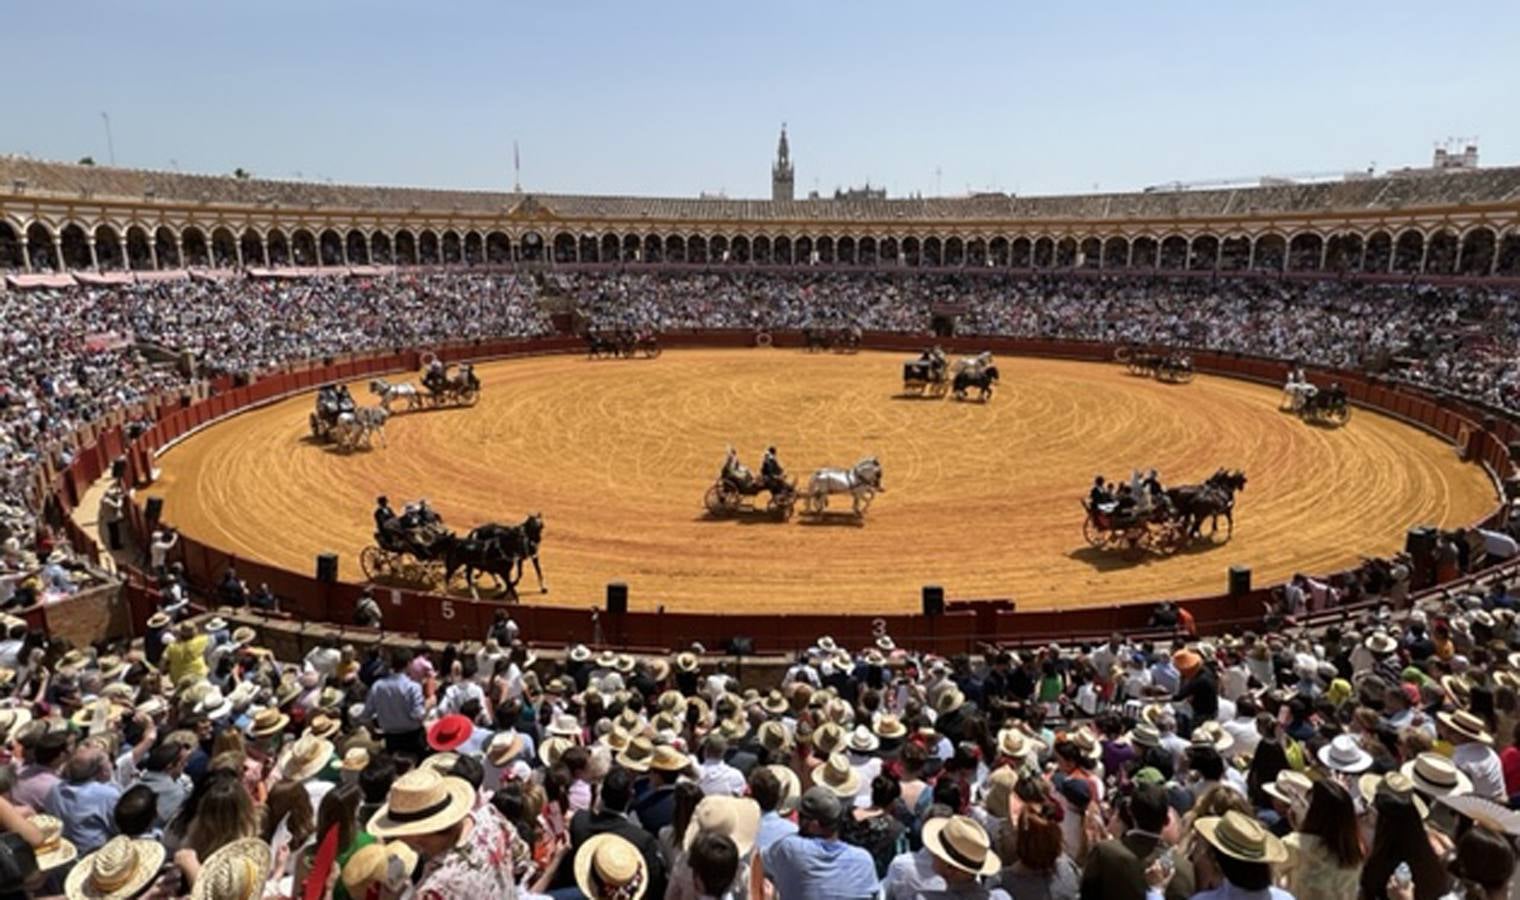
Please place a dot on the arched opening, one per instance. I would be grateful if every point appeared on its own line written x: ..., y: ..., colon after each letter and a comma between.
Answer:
x: 781, y: 250
x: 1203, y: 255
x: 844, y: 251
x: 427, y: 249
x: 825, y: 249
x: 1115, y: 253
x: 279, y: 248
x: 1441, y: 256
x: 611, y: 248
x: 358, y: 248
x: 1235, y: 253
x: 75, y: 247
x: 997, y: 252
x: 976, y: 253
x: 1066, y: 253
x: 564, y: 247
x: 589, y: 250
x: 696, y: 249
x: 453, y: 249
x: 531, y: 247
x: 1379, y: 255
x: 718, y: 250
x: 760, y: 250
x: 955, y: 252
x: 1509, y: 255
x: 303, y: 248
x: 1144, y: 253
x: 474, y: 249
x: 11, y: 257
x: 107, y: 249
x: 1271, y: 253
x: 1174, y: 250
x: 1343, y: 252
x: 1044, y: 253
x: 865, y: 251
x: 654, y: 249
x: 675, y: 249
x: 164, y: 245
x: 803, y: 252
x: 193, y: 242
x: 1408, y: 251
x: 888, y: 252
x: 406, y: 248
x: 632, y: 248
x: 911, y: 255
x: 139, y: 249
x: 224, y: 249
x: 1021, y: 253
x: 381, y: 253
x: 253, y: 248
x: 1304, y: 252
x: 1478, y: 251
x: 932, y: 253
x: 1090, y: 253
x: 499, y: 248
x: 330, y: 247
x: 740, y: 251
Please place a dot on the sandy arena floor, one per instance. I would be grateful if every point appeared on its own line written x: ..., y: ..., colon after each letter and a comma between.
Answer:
x: 982, y: 499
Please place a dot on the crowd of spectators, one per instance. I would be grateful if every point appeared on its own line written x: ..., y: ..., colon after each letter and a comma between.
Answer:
x: 1375, y: 759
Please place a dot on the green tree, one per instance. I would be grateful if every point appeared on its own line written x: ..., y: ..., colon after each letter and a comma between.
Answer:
x: 87, y: 160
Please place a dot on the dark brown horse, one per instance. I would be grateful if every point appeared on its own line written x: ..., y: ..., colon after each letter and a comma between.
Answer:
x: 1212, y: 499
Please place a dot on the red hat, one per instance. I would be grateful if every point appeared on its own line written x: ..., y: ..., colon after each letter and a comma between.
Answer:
x: 449, y: 732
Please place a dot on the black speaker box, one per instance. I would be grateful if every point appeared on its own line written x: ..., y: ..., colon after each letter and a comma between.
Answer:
x: 155, y: 509
x: 617, y: 597
x: 327, y: 567
x: 1240, y: 580
x: 934, y: 600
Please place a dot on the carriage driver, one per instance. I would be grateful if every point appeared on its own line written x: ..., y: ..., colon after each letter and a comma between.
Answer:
x: 384, y: 515
x: 1099, y: 497
x: 435, y: 373
x: 771, y: 473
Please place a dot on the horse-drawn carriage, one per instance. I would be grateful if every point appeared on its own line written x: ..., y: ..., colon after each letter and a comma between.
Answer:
x: 1326, y: 406
x: 1155, y: 530
x: 1171, y: 519
x: 928, y: 375
x: 862, y: 482
x: 624, y: 343
x: 447, y: 385
x: 1172, y: 367
x: 332, y: 402
x: 416, y: 549
x: 836, y: 338
x: 408, y: 548
x: 735, y: 489
x: 338, y: 420
x: 1175, y: 368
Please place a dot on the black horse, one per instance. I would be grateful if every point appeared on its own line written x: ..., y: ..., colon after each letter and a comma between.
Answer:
x: 477, y: 555
x: 519, y: 541
x: 1212, y: 499
x: 982, y: 381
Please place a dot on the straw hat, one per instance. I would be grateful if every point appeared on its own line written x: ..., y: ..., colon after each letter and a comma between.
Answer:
x: 1291, y: 787
x: 371, y: 863
x: 11, y: 721
x: 450, y: 732
x: 837, y: 775
x: 827, y: 738
x: 565, y: 726
x: 1212, y: 734
x: 1144, y: 734
x: 422, y: 802
x: 637, y: 756
x: 85, y: 714
x: 238, y: 869
x: 1395, y: 784
x: 356, y: 759
x: 323, y: 727
x: 608, y: 866
x: 216, y: 623
x: 1241, y: 837
x: 606, y: 660
x: 775, y: 703
x: 890, y: 727
x: 159, y: 620
x: 949, y: 700
x: 551, y: 748
x: 961, y: 842
x: 668, y: 759
x: 791, y: 789
x: 1000, y: 784
x: 1487, y: 813
x: 1381, y: 642
x: 686, y: 661
x: 737, y: 818
x: 55, y: 850
x: 505, y: 746
x: 625, y: 663
x: 580, y: 653
x: 1013, y: 742
x: 243, y: 635
x: 116, y: 871
x: 306, y: 757
x: 1467, y: 725
x: 827, y: 644
x: 266, y: 722
x: 1344, y: 754
x: 863, y: 740
x: 773, y: 737
x: 1435, y: 775
x: 443, y: 763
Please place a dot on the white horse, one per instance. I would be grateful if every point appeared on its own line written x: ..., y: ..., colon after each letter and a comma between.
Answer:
x: 360, y: 427
x: 1297, y: 391
x: 388, y: 392
x: 972, y: 365
x: 862, y: 483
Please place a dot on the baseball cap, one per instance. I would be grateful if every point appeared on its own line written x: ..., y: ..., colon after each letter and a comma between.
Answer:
x: 819, y: 804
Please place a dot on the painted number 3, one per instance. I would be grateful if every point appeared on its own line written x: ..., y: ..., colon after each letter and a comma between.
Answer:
x: 446, y: 609
x: 878, y: 627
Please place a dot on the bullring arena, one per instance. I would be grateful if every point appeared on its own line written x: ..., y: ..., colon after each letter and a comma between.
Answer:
x: 981, y: 498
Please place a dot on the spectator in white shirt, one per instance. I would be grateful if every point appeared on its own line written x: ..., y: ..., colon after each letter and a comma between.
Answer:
x: 715, y: 776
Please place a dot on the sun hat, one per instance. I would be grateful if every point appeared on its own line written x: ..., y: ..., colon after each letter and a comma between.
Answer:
x: 828, y: 737
x: 637, y: 756
x: 1344, y: 754
x: 159, y: 619
x: 1381, y: 643
x: 450, y: 732
x: 1436, y: 776
x: 422, y: 801
x: 118, y: 870
x: 775, y: 703
x: 609, y: 867
x: 565, y: 726
x: 1466, y: 724
x: 826, y: 644
x: 55, y: 850
x: 1144, y: 734
x: 737, y: 818
x: 949, y: 700
x: 999, y: 791
x: 734, y: 728
x: 791, y: 789
x: 580, y: 653
x: 243, y: 635
x: 961, y: 842
x: 238, y: 869
x: 1393, y: 784
x: 1241, y: 837
x: 112, y: 667
x: 863, y: 740
x: 216, y: 623
x: 873, y: 657
x: 668, y: 759
x: 1013, y: 742
x: 551, y: 748
x: 323, y: 726
x: 443, y: 763
x: 305, y: 757
x: 837, y: 775
x: 266, y: 722
x: 686, y: 661
x: 1291, y: 787
x: 505, y: 746
x: 355, y: 759
x: 773, y: 737
x: 1212, y: 734
x: 1485, y: 812
x: 625, y: 663
x: 12, y: 720
x: 370, y: 864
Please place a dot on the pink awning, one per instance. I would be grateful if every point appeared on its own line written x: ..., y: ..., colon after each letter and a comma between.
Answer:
x: 103, y: 278
x: 39, y: 282
x: 371, y: 271
x: 213, y: 274
x: 164, y: 275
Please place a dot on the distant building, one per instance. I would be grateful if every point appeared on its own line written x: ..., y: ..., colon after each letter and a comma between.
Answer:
x: 861, y: 193
x: 1445, y: 160
x: 783, y: 180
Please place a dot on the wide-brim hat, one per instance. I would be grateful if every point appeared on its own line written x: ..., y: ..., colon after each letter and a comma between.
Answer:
x: 668, y: 759
x: 828, y: 737
x: 1381, y: 642
x: 775, y: 703
x: 826, y: 644
x: 791, y: 789
x: 323, y: 726
x: 686, y: 661
x: 837, y: 775
x: 305, y: 757
x: 85, y: 715
x: 950, y: 699
x: 355, y: 759
x: 1210, y: 734
x: 607, y: 863
x: 625, y: 663
x: 863, y: 740
x: 450, y: 732
x: 565, y: 726
x: 580, y: 653
x: 890, y: 727
x: 1291, y: 787
x: 238, y: 869
x: 1241, y: 837
x: 637, y: 755
x: 118, y: 870
x: 1144, y: 734
x: 243, y: 635
x: 505, y: 746
x: 1435, y: 775
x: 370, y: 864
x: 551, y: 748
x: 423, y: 801
x: 216, y: 623
x: 1344, y: 754
x: 1482, y: 811
x: 266, y: 722
x: 606, y: 660
x: 1396, y: 784
x: 11, y: 721
x: 159, y: 620
x: 736, y: 818
x: 55, y: 850
x: 960, y: 842
x: 1467, y: 725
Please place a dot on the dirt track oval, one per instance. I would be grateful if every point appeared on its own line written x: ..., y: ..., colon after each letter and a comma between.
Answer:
x: 982, y: 499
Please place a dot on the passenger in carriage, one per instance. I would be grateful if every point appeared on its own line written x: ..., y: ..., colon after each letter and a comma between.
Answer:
x: 771, y: 473
x: 1100, y: 498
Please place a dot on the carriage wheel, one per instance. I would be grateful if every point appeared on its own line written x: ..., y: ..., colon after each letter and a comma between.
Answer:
x: 375, y: 563
x: 780, y: 505
x: 470, y: 397
x: 1092, y: 533
x: 713, y: 500
x: 652, y: 352
x: 1184, y: 376
x: 1341, y: 414
x: 1135, y: 367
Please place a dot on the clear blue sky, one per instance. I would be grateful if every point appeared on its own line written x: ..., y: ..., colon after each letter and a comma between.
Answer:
x: 674, y: 98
